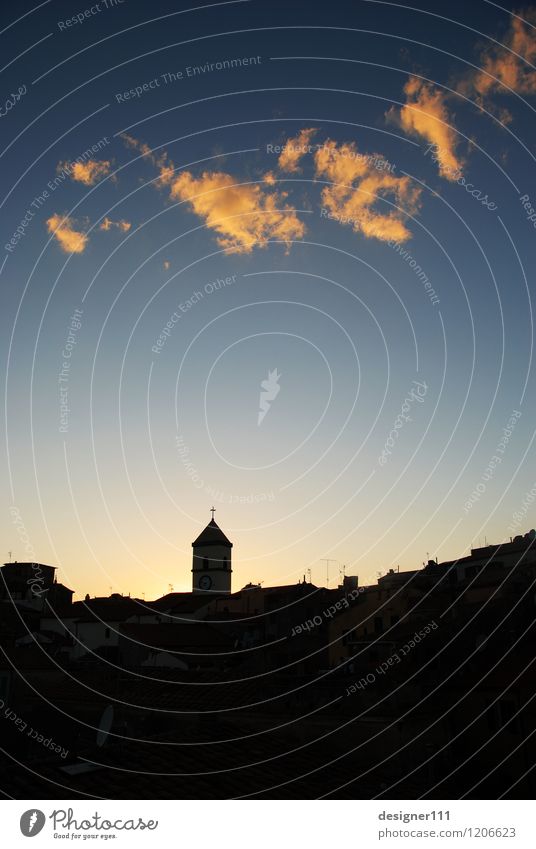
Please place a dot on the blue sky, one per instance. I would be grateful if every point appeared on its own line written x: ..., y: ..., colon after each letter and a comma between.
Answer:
x: 184, y: 209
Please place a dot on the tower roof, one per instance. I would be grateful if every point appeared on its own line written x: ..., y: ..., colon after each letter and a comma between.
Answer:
x: 212, y: 535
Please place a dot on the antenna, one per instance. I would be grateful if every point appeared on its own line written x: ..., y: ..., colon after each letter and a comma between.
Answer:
x: 327, y: 561
x: 10, y: 553
x: 309, y: 576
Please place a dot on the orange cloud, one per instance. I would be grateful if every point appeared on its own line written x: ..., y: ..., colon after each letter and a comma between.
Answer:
x: 160, y: 159
x: 70, y: 240
x: 358, y: 185
x: 107, y: 224
x: 88, y: 173
x: 243, y: 216
x: 135, y: 144
x: 425, y: 114
x: 294, y: 150
x: 506, y: 67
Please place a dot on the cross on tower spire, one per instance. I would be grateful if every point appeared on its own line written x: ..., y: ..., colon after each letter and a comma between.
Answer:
x: 213, y: 510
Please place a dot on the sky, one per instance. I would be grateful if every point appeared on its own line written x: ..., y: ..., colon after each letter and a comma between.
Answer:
x: 272, y: 258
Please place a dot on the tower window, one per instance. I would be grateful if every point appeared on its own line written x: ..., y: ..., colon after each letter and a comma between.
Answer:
x: 205, y: 562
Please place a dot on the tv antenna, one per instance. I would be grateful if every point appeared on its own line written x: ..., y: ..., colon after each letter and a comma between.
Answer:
x: 327, y: 561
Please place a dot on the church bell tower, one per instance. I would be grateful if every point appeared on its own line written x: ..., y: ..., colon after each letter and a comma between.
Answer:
x: 211, y: 569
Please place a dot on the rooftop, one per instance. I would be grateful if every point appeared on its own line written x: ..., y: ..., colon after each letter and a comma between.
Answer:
x: 212, y: 535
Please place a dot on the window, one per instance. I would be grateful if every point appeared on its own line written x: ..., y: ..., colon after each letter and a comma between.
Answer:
x: 205, y: 562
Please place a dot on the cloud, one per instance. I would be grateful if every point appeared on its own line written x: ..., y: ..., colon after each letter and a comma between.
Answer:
x: 136, y: 144
x: 294, y: 150
x: 243, y: 216
x: 88, y: 173
x: 160, y: 160
x: 358, y: 185
x: 505, y: 67
x: 69, y: 239
x: 425, y: 114
x: 107, y: 224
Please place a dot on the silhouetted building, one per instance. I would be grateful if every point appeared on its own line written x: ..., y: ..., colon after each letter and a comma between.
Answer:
x: 30, y: 584
x: 423, y: 680
x: 211, y: 568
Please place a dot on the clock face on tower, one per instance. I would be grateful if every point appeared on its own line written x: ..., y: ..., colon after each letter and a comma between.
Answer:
x: 205, y: 582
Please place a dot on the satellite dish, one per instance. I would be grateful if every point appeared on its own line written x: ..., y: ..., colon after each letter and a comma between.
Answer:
x: 105, y: 725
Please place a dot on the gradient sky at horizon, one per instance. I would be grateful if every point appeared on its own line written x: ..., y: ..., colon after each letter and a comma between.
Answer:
x: 154, y: 439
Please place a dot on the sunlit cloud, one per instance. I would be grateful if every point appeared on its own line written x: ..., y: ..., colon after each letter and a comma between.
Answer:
x: 248, y: 216
x: 358, y: 189
x: 243, y: 216
x: 70, y: 240
x: 295, y: 149
x: 506, y: 68
x: 107, y: 224
x: 160, y: 160
x: 88, y: 173
x: 136, y: 144
x: 425, y: 114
